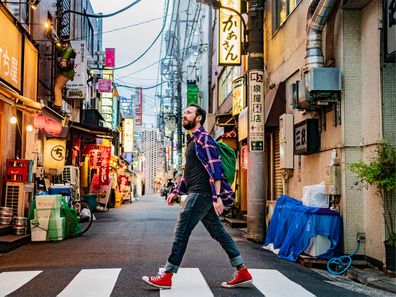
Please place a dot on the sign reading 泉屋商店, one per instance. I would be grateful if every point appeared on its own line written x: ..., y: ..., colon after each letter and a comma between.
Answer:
x: 256, y: 110
x: 229, y: 40
x: 10, y: 52
x: 238, y: 95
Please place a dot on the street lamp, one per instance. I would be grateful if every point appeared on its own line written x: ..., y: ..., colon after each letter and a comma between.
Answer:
x: 218, y: 5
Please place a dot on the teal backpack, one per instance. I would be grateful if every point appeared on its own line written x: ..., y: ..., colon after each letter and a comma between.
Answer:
x: 228, y: 158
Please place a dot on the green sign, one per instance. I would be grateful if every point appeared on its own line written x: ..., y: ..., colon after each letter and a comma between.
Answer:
x: 192, y: 94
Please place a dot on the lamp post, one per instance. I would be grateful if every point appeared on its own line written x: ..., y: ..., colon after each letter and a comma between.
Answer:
x: 256, y: 196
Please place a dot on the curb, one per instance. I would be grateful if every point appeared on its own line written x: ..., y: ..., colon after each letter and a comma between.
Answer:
x: 372, y: 277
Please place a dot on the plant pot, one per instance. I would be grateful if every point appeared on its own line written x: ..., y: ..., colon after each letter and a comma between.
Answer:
x: 390, y: 256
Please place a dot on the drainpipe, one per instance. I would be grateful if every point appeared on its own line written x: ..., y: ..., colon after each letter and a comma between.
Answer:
x: 318, y: 14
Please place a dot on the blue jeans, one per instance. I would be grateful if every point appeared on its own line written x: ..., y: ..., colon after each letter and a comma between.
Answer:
x: 199, y: 207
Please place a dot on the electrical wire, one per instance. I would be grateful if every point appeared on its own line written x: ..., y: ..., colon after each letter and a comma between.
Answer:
x: 137, y: 87
x: 100, y: 16
x: 151, y: 45
x: 137, y: 71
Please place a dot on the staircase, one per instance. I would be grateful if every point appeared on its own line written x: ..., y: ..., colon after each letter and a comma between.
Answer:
x: 9, y: 241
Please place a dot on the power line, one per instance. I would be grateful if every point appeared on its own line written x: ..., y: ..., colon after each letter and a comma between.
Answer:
x: 100, y: 16
x: 138, y: 87
x: 137, y: 71
x: 151, y: 45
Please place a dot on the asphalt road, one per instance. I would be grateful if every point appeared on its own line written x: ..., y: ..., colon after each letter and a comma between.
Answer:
x: 128, y: 242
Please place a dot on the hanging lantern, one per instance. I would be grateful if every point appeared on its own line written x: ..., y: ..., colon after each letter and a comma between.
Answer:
x: 54, y: 155
x: 39, y: 121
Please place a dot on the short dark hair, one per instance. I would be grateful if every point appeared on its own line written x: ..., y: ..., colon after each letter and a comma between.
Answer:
x: 200, y: 112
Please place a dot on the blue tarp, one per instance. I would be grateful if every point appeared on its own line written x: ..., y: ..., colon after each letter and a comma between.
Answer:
x: 293, y: 224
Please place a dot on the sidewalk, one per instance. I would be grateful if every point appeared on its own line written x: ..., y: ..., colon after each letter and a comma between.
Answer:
x: 372, y: 277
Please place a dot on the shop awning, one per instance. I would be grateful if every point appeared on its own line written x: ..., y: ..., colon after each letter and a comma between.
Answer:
x: 225, y: 120
x: 18, y: 101
x: 91, y: 129
x: 275, y: 104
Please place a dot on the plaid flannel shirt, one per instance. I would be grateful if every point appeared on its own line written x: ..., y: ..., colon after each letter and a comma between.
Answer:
x: 209, y: 155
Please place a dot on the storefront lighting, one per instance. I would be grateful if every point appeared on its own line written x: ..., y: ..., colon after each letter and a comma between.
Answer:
x: 29, y: 128
x: 47, y: 25
x: 13, y: 120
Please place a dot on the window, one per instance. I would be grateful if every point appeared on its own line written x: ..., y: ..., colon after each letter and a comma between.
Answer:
x: 228, y: 75
x: 19, y: 10
x: 281, y: 10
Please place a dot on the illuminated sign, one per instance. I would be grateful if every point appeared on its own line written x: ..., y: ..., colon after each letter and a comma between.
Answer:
x: 10, y: 52
x: 229, y: 41
x: 110, y: 57
x: 128, y: 131
x: 256, y: 110
x: 238, y: 96
x: 79, y: 82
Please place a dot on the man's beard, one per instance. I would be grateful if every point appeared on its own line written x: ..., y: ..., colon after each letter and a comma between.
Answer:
x: 190, y: 125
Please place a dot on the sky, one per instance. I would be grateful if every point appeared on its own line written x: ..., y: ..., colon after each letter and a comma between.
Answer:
x: 130, y: 43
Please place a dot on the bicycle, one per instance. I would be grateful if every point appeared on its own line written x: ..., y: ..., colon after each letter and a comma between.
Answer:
x: 81, y: 207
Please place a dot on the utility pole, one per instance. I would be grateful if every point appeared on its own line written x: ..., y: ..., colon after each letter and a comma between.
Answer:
x: 179, y: 95
x: 256, y: 196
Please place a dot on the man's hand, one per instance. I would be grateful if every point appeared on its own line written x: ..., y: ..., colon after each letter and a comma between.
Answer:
x: 170, y: 200
x: 218, y: 206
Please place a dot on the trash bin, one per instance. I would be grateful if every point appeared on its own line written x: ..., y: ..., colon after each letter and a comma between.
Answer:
x: 91, y: 200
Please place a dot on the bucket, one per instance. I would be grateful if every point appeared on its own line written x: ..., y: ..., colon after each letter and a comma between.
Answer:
x: 5, y: 215
x: 5, y: 220
x: 19, y: 225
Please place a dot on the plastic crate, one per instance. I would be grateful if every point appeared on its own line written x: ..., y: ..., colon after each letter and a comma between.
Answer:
x: 18, y: 170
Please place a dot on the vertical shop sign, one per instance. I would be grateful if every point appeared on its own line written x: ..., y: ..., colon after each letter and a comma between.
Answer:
x: 128, y: 131
x: 238, y: 95
x: 76, y: 88
x: 10, y: 52
x: 390, y: 30
x: 104, y: 168
x: 110, y: 57
x: 105, y: 85
x: 192, y: 93
x: 229, y: 42
x: 94, y: 158
x: 139, y: 107
x: 256, y: 110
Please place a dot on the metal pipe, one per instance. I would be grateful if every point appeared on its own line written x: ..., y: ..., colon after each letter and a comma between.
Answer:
x: 318, y: 14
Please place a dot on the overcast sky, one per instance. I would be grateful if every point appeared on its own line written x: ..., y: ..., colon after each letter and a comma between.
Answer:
x: 131, y: 42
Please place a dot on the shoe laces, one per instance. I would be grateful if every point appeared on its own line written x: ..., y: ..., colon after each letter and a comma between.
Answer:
x: 235, y: 276
x: 160, y: 274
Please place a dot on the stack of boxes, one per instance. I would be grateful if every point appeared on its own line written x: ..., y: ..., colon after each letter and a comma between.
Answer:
x: 48, y: 225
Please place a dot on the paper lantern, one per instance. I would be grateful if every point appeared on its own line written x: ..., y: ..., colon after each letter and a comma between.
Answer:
x: 39, y: 121
x: 54, y: 155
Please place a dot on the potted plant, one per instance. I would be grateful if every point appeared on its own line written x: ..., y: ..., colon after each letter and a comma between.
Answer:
x: 380, y: 172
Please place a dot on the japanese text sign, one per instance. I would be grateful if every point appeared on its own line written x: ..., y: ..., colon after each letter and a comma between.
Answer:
x: 110, y: 57
x: 238, y: 96
x: 390, y: 30
x: 105, y: 85
x: 256, y: 110
x: 104, y: 168
x: 229, y: 37
x: 139, y: 107
x: 79, y: 82
x: 10, y: 52
x: 128, y: 131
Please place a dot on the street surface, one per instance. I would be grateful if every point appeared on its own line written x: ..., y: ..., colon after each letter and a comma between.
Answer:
x: 128, y: 242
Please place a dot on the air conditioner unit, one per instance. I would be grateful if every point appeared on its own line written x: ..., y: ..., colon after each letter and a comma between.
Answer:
x: 71, y: 174
x: 18, y: 196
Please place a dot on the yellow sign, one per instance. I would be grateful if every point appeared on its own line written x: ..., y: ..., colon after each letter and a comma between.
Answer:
x: 238, y: 96
x: 10, y: 52
x: 30, y: 71
x: 128, y: 131
x: 229, y: 41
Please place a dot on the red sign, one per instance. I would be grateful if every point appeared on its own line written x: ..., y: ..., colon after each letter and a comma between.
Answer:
x: 110, y: 57
x: 48, y: 125
x: 105, y: 85
x: 139, y: 107
x: 95, y: 158
x: 104, y: 168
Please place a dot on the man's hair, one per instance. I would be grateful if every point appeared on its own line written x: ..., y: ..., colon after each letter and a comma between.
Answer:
x: 200, y: 112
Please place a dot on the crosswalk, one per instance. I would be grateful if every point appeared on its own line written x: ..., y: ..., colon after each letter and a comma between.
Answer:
x: 187, y: 282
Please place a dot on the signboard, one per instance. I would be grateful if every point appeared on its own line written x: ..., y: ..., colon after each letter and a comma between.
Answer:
x: 390, y: 30
x: 104, y: 168
x: 79, y: 82
x: 256, y: 110
x: 105, y: 85
x: 229, y: 41
x: 30, y: 65
x: 110, y: 57
x: 192, y: 93
x: 128, y: 131
x: 306, y: 137
x: 139, y: 107
x: 10, y: 52
x: 238, y: 95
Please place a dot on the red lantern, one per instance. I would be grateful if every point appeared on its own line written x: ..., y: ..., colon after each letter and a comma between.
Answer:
x: 39, y: 121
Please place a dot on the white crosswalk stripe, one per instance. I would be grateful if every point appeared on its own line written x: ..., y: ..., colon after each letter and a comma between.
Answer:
x: 92, y: 282
x: 187, y: 282
x: 272, y: 283
x: 11, y: 281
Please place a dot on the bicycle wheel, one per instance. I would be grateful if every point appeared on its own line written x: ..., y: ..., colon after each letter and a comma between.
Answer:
x: 85, y: 216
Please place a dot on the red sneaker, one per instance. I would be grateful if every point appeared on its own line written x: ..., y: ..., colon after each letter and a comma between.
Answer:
x: 162, y: 280
x: 241, y: 278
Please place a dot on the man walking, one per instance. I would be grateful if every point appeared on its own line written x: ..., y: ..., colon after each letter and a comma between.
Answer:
x: 207, y: 191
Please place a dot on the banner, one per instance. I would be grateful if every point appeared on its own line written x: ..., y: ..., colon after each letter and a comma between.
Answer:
x: 78, y: 85
x: 139, y: 107
x: 104, y: 168
x: 110, y: 57
x: 238, y: 96
x: 128, y: 131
